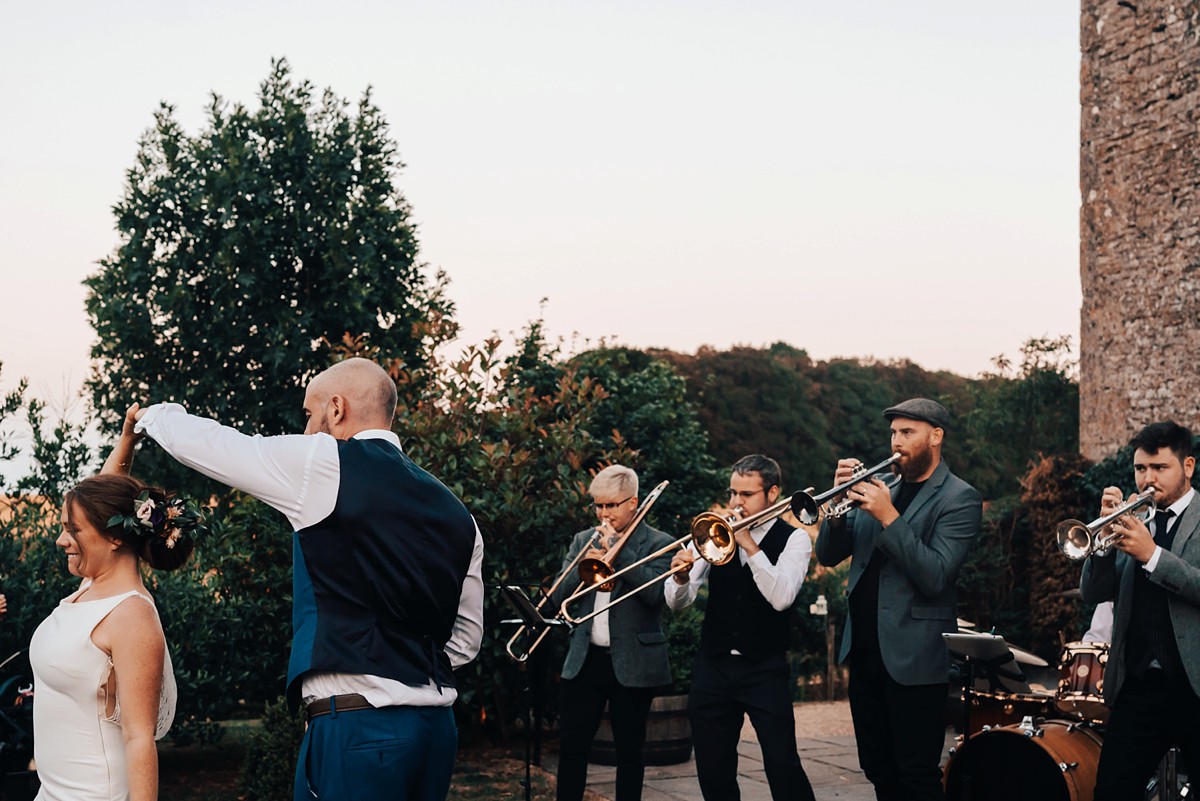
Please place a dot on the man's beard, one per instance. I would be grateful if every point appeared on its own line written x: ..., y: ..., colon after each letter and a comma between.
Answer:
x: 917, y: 465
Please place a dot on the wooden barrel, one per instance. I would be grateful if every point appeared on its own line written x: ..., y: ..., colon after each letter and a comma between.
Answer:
x: 668, y: 735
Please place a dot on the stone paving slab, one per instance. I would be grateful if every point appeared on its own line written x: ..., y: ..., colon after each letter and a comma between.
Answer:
x: 831, y: 762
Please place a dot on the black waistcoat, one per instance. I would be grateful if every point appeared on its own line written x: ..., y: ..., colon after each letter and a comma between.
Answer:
x: 1151, y: 633
x: 738, y: 617
x: 376, y: 584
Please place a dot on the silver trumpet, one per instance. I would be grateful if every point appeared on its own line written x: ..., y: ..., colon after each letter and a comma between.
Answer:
x: 807, y: 507
x: 1078, y: 540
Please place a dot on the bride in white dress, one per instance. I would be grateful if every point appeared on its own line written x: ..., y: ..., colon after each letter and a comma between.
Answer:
x: 104, y: 687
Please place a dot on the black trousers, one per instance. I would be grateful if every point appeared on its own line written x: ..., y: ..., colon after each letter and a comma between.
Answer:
x: 580, y: 707
x: 1149, y: 715
x: 899, y: 729
x: 725, y: 689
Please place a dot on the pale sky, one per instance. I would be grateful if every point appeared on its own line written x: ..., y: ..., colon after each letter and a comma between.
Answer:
x: 864, y: 179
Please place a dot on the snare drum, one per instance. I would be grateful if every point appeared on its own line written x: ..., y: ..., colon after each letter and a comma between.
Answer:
x: 1003, y: 709
x: 1051, y: 761
x: 1081, y: 681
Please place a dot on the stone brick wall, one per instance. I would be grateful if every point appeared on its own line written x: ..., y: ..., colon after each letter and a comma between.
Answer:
x: 1140, y: 218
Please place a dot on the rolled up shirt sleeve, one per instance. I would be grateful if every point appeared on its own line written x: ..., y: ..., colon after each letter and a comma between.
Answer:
x: 679, y: 596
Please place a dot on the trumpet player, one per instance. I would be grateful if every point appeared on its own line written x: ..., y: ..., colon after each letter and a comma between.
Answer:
x: 907, y: 546
x: 1152, y: 572
x: 619, y: 656
x: 741, y: 668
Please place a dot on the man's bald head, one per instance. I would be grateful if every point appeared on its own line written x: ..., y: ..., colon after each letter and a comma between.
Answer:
x: 351, y: 396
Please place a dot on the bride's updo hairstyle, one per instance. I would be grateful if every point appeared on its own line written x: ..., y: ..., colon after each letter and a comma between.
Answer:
x: 158, y: 529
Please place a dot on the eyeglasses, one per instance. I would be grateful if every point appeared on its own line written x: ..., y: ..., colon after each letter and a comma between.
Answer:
x: 604, y: 507
x: 745, y: 495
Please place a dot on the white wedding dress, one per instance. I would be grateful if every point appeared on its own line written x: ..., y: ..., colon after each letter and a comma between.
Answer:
x: 78, y: 747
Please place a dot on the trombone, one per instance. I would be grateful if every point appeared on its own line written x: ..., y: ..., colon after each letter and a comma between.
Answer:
x: 592, y: 570
x: 577, y: 562
x: 812, y: 504
x: 1078, y: 540
x: 711, y: 543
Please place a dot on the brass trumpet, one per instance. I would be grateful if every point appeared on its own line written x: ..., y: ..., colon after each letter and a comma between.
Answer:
x: 579, y: 563
x: 1078, y: 540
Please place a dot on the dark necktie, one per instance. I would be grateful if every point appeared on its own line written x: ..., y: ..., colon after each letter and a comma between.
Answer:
x: 1163, y: 535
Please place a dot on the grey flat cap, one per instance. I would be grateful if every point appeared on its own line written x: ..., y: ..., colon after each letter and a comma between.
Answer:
x: 923, y: 409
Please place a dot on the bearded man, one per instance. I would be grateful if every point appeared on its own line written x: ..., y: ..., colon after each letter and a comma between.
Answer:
x: 908, y: 544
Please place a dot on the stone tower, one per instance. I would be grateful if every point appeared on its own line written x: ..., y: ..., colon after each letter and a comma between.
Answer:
x: 1140, y: 218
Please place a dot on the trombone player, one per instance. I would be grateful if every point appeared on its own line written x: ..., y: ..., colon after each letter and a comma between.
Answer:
x: 741, y: 668
x: 619, y: 656
x: 1152, y: 572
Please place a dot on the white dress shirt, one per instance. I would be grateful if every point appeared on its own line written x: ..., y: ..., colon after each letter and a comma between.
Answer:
x: 779, y: 583
x: 298, y: 474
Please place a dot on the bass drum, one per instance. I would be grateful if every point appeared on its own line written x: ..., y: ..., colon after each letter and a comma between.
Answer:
x: 1053, y: 761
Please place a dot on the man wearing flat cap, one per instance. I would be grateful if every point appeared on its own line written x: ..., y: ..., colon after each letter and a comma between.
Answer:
x: 907, y: 544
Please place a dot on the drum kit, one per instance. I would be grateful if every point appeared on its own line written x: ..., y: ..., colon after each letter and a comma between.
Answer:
x: 1019, y: 742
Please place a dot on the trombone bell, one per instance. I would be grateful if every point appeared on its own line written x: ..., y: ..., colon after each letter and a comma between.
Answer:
x: 712, y: 536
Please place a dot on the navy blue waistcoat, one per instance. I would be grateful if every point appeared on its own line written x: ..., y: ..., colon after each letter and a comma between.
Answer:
x: 738, y: 617
x: 376, y: 584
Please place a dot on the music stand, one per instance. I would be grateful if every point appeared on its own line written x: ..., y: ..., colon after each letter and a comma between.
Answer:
x: 986, y: 658
x: 529, y: 615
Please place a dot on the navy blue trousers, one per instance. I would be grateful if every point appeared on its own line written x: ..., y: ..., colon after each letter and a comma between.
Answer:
x: 397, y: 753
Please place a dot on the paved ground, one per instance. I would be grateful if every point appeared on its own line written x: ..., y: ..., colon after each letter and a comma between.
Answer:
x: 826, y: 741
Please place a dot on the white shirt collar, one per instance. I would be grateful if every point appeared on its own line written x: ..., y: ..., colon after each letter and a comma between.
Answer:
x: 380, y: 433
x: 1180, y: 505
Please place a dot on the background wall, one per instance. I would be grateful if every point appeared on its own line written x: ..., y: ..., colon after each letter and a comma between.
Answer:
x: 1139, y: 220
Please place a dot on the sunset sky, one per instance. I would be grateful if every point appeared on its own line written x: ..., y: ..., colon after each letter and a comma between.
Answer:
x: 869, y: 179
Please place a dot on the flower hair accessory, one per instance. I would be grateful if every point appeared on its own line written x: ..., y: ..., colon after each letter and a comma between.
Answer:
x: 168, y: 520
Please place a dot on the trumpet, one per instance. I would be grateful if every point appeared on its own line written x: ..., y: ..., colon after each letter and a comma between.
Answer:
x: 1078, y: 540
x: 712, y: 545
x: 579, y: 563
x: 807, y: 507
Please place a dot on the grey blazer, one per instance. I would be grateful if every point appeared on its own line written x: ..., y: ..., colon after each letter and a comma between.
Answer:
x: 918, y: 600
x: 639, y: 646
x: 1110, y: 578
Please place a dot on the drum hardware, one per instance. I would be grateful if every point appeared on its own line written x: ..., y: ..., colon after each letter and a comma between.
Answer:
x: 1080, y: 692
x: 1058, y: 762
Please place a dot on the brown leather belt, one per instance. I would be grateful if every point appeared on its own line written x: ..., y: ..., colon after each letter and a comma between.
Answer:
x: 351, y: 702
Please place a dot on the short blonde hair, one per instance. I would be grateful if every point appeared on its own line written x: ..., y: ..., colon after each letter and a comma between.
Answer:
x: 615, y: 480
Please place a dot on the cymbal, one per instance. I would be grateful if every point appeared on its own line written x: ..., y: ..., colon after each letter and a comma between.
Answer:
x: 1020, y: 655
x: 1073, y: 593
x: 1023, y: 657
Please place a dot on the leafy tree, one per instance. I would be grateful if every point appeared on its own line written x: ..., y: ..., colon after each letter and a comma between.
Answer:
x: 645, y: 410
x: 248, y: 248
x: 1020, y: 415
x: 759, y: 401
